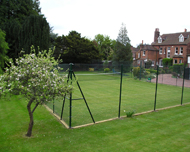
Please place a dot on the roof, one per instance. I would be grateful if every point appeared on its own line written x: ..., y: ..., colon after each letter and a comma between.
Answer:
x: 133, y: 49
x: 148, y: 47
x: 173, y: 39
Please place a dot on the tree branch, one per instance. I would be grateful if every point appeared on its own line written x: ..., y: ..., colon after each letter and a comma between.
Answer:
x: 35, y: 106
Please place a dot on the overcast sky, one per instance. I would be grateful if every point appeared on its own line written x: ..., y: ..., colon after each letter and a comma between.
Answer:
x: 141, y: 17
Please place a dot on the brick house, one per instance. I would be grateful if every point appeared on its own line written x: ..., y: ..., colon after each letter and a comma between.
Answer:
x: 175, y: 45
x: 146, y: 53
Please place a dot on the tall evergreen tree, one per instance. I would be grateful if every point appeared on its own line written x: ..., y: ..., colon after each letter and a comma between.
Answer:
x: 3, y: 50
x: 15, y: 16
x: 122, y: 52
x: 35, y: 31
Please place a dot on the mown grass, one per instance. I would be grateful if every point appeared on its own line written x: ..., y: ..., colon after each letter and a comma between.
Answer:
x: 102, y: 95
x: 166, y: 130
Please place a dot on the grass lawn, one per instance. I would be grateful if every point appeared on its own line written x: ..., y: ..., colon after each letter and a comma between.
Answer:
x: 166, y: 130
x: 102, y: 95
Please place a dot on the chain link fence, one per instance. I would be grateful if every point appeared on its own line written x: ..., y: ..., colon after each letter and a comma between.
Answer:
x: 111, y: 90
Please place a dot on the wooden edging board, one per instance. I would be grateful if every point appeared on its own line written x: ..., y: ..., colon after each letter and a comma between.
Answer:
x: 89, y: 124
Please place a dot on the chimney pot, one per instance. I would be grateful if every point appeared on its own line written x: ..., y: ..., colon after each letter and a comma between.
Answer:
x: 142, y: 42
x: 185, y: 30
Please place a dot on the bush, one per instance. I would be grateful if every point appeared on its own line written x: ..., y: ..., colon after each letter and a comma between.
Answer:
x: 130, y: 113
x: 178, y: 68
x: 151, y: 70
x: 106, y: 70
x: 167, y: 62
x: 136, y: 71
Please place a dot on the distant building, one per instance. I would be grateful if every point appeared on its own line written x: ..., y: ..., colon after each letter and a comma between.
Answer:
x: 174, y: 45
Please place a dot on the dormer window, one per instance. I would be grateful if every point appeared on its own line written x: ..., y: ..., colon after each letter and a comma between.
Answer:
x: 181, y: 38
x: 159, y: 39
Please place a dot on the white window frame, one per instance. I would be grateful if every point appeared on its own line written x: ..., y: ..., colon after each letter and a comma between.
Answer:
x: 138, y: 55
x: 181, y: 38
x: 168, y: 52
x: 181, y: 51
x: 160, y: 63
x: 159, y: 39
x: 160, y: 51
x: 180, y: 60
x: 143, y: 53
x: 153, y: 62
x: 176, y: 50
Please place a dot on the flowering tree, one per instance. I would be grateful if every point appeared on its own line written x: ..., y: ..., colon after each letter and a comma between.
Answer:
x: 37, y: 78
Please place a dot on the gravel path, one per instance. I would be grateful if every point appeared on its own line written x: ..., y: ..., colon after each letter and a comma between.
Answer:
x: 167, y: 79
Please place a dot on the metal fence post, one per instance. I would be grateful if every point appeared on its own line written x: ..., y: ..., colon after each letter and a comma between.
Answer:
x: 183, y: 85
x: 120, y: 91
x: 70, y: 106
x: 156, y: 89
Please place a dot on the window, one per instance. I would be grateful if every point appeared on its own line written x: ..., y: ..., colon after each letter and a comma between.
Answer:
x: 181, y: 38
x: 143, y: 53
x: 133, y: 58
x: 159, y: 39
x: 181, y: 50
x: 176, y: 50
x: 160, y: 51
x: 160, y: 63
x: 180, y: 61
x: 138, y: 55
x: 153, y: 62
x: 168, y: 52
x: 175, y: 61
x: 138, y: 62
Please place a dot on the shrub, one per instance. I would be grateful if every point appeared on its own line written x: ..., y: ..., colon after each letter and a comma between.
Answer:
x: 167, y: 62
x: 148, y: 64
x: 130, y: 113
x: 178, y: 68
x: 106, y: 70
x: 136, y: 71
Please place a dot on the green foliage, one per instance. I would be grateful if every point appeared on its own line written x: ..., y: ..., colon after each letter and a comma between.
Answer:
x: 148, y: 64
x: 136, y: 71
x: 106, y: 70
x: 37, y: 78
x: 105, y: 64
x: 3, y: 50
x: 35, y: 31
x: 178, y: 68
x: 76, y: 49
x: 122, y: 51
x: 104, y: 45
x: 130, y: 113
x: 151, y: 70
x: 167, y: 62
x: 21, y: 30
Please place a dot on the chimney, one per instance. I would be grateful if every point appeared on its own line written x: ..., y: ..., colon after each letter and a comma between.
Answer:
x: 156, y: 34
x: 142, y: 42
x: 185, y: 30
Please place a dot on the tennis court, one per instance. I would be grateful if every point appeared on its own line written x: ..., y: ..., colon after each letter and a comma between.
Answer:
x: 102, y: 93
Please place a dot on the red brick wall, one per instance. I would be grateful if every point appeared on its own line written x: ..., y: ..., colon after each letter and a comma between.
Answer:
x: 172, y: 51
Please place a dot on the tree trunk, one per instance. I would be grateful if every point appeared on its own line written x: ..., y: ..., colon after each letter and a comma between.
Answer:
x: 29, y: 133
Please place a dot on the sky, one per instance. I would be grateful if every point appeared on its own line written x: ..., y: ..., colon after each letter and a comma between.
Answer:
x: 105, y: 17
